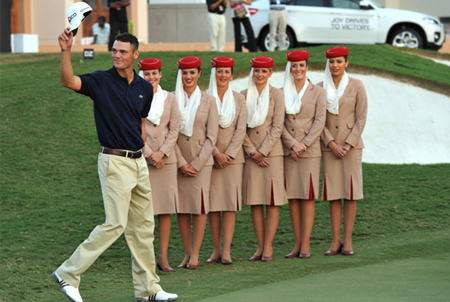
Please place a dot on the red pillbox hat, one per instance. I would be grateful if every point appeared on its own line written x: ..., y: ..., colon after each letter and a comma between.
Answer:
x: 222, y: 62
x: 336, y: 52
x: 189, y: 62
x: 297, y: 55
x: 149, y: 63
x: 262, y: 62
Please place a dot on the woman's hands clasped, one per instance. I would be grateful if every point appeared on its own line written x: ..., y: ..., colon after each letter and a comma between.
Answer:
x: 221, y: 160
x: 156, y: 159
x: 339, y: 150
x: 188, y: 170
x: 260, y: 159
x: 297, y: 150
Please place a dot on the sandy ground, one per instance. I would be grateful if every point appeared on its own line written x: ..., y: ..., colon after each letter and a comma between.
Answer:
x: 405, y: 124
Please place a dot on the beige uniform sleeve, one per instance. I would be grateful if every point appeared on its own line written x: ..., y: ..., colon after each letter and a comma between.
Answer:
x: 360, y: 116
x: 239, y: 134
x: 174, y: 129
x: 180, y: 159
x: 212, y: 129
x: 287, y: 138
x: 277, y: 124
x: 319, y: 119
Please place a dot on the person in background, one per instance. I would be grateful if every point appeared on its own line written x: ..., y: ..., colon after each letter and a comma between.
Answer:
x: 278, y: 22
x: 226, y: 180
x: 101, y: 31
x: 247, y: 25
x: 217, y: 23
x: 117, y: 18
x: 199, y: 125
x: 263, y: 179
x: 303, y: 124
x: 162, y: 127
x: 342, y: 147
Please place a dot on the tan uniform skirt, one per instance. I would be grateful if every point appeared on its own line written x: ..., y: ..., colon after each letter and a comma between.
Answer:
x: 301, y: 178
x: 164, y: 188
x: 264, y: 186
x: 342, y: 178
x: 225, y: 193
x: 193, y: 192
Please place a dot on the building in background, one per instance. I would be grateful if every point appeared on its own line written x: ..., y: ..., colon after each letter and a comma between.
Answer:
x: 47, y: 19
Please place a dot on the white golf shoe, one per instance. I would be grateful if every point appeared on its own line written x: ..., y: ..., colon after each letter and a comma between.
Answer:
x: 71, y: 292
x: 159, y: 296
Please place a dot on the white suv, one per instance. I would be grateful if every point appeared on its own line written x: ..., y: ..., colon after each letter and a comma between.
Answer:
x: 348, y: 22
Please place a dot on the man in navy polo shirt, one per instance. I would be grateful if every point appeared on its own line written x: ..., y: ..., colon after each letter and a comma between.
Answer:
x: 121, y: 103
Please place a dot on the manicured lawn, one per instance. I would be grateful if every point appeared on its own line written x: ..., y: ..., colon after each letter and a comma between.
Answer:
x: 51, y: 199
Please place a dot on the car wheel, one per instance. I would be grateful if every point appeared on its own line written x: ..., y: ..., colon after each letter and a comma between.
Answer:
x: 407, y: 37
x: 264, y: 40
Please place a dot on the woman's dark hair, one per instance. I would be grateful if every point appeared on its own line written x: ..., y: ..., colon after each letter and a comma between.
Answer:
x: 346, y: 58
x: 199, y: 69
x: 127, y: 37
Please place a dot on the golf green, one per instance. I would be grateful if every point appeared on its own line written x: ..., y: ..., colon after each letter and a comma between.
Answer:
x: 415, y: 279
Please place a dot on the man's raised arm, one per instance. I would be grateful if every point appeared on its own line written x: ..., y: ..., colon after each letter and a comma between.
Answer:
x: 67, y: 78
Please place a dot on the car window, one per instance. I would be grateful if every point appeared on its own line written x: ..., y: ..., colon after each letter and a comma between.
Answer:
x: 308, y: 2
x: 354, y: 4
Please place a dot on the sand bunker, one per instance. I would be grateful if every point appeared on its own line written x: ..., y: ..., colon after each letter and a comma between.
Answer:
x: 405, y: 124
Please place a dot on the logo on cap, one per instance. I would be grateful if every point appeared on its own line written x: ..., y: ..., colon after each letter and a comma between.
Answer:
x: 72, y: 16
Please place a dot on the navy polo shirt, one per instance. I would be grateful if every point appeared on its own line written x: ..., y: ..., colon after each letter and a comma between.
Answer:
x: 220, y: 9
x: 118, y: 107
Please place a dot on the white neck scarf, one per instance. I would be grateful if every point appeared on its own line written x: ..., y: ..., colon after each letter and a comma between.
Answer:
x: 293, y: 100
x: 187, y: 106
x: 157, y: 108
x: 227, y: 108
x: 257, y: 105
x: 333, y: 94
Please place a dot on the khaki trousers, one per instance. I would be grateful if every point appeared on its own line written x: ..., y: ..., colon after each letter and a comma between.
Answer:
x: 128, y: 208
x: 217, y: 24
x: 278, y: 21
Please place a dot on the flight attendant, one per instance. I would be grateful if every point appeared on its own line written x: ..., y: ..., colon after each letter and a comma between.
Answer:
x: 226, y: 179
x: 342, y: 146
x: 303, y: 124
x: 198, y: 135
x: 263, y: 169
x: 162, y: 128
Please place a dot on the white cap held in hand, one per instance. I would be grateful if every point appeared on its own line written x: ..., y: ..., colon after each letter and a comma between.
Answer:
x: 76, y: 14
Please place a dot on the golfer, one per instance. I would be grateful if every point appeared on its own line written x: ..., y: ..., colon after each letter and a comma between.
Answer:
x: 122, y: 102
x: 342, y: 146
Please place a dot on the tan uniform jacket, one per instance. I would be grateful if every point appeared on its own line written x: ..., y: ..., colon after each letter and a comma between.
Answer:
x: 197, y: 149
x: 307, y: 125
x: 164, y: 136
x: 230, y: 139
x: 266, y: 137
x: 348, y: 126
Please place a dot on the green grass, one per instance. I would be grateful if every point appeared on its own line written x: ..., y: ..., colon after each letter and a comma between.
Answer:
x: 51, y: 199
